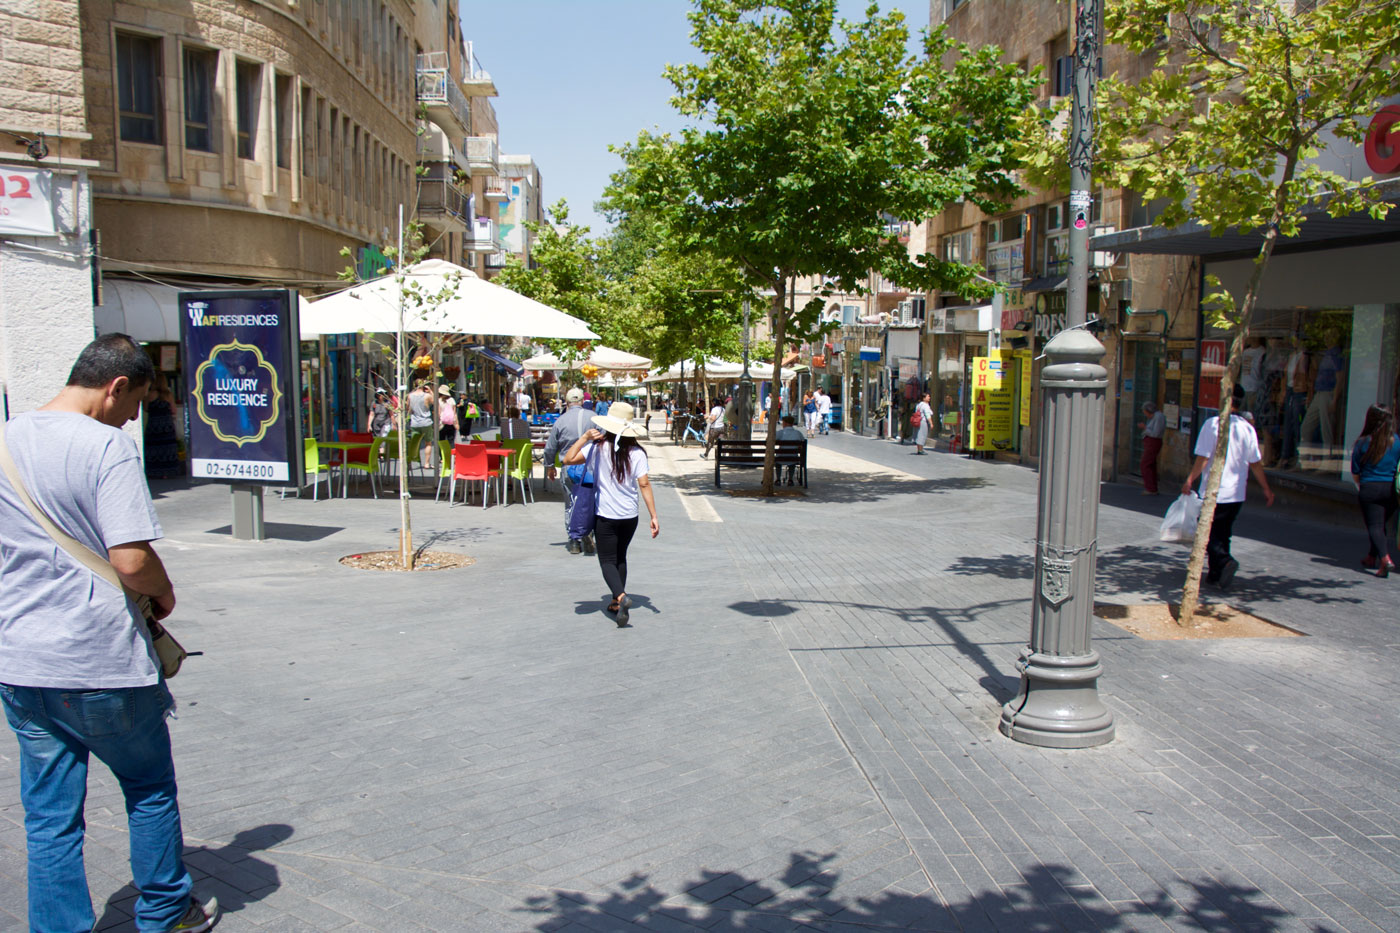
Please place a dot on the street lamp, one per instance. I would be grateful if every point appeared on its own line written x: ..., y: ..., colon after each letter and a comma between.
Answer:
x: 1058, y: 704
x: 743, y: 401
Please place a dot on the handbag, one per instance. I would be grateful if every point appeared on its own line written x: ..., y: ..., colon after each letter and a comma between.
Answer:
x: 916, y: 419
x: 583, y: 511
x: 169, y: 652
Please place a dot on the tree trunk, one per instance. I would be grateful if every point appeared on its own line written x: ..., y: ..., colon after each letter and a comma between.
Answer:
x: 770, y: 449
x: 1191, y: 591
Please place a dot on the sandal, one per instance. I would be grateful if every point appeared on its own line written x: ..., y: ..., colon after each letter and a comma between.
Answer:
x: 612, y: 606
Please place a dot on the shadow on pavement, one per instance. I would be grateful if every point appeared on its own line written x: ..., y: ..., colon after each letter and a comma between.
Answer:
x: 997, y: 682
x: 1158, y: 572
x: 231, y: 873
x: 839, y: 487
x: 287, y: 531
x: 1052, y: 897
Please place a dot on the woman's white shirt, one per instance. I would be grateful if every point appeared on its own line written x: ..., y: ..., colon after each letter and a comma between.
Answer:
x: 616, y: 499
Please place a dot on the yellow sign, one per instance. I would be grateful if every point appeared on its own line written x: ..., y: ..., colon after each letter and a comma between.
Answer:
x: 1024, y: 358
x: 992, y: 397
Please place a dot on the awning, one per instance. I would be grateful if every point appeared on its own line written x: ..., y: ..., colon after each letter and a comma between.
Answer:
x: 148, y: 312
x: 1045, y: 283
x: 510, y: 365
x: 1317, y: 232
x: 144, y: 311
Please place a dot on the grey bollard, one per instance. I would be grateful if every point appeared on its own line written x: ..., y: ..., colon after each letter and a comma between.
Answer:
x: 1058, y: 704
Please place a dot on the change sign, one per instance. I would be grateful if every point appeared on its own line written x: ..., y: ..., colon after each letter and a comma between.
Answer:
x: 241, y: 353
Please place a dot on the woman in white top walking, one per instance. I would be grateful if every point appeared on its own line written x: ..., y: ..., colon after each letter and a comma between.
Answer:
x: 620, y: 480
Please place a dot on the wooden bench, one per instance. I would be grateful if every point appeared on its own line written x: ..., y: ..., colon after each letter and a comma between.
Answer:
x: 749, y: 454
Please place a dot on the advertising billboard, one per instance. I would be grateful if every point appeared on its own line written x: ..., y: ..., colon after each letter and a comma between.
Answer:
x: 241, y: 379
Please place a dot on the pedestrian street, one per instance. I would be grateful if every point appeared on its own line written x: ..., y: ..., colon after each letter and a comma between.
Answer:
x: 798, y: 731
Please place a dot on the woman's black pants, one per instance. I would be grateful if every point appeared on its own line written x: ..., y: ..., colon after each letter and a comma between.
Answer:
x: 612, y: 535
x: 1378, y: 506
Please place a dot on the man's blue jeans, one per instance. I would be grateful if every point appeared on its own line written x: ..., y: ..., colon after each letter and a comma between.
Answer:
x: 125, y: 729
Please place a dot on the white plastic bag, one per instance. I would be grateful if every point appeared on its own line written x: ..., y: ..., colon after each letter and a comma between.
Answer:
x: 1180, y: 524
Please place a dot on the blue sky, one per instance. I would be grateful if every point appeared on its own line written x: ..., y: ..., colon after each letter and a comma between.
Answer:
x: 575, y: 76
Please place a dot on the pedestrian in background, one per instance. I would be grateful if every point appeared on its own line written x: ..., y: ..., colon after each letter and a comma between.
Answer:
x: 1241, y: 461
x: 924, y: 412
x: 565, y: 431
x: 823, y: 411
x: 381, y: 415
x: 514, y: 427
x: 161, y: 440
x: 809, y: 413
x: 715, y: 431
x: 78, y: 674
x: 1375, y: 459
x: 1153, y: 430
x: 447, y: 415
x: 620, y: 478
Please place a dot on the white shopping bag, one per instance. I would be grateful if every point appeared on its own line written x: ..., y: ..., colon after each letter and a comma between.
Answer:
x: 1180, y: 524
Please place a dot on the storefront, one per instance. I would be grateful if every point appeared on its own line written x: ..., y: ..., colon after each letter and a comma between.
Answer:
x: 1324, y: 344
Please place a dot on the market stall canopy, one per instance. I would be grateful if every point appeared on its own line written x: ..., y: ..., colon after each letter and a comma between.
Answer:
x: 477, y: 307
x: 605, y: 358
x: 148, y: 312
x: 718, y: 370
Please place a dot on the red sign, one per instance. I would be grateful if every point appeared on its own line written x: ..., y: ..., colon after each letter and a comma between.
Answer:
x: 1212, y: 370
x: 1383, y: 141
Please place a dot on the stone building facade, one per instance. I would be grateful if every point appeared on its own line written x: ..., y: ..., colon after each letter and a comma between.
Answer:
x: 1025, y: 249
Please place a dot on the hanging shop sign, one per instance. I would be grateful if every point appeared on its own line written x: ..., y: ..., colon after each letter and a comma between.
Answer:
x: 240, y: 349
x: 26, y: 201
x: 992, y: 403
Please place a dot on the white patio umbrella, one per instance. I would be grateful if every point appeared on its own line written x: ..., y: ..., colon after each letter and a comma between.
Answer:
x: 718, y: 370
x: 477, y: 307
x: 605, y: 358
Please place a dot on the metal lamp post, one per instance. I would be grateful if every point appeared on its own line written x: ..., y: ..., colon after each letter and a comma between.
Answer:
x: 1058, y: 704
x: 743, y: 400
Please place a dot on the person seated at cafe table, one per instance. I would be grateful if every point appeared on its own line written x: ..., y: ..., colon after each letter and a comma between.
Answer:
x: 514, y: 426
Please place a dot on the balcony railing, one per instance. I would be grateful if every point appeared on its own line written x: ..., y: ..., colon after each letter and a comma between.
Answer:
x: 497, y: 260
x: 440, y: 93
x: 440, y: 198
x: 475, y: 79
x: 481, y: 236
x: 496, y: 188
x: 483, y: 156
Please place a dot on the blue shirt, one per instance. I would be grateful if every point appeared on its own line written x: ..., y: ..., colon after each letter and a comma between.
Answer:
x: 1383, y: 471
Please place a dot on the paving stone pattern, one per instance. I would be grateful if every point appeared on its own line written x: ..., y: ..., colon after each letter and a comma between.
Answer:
x: 798, y: 731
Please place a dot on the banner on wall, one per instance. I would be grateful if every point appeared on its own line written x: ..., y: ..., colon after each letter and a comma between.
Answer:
x: 242, y: 377
x: 26, y: 201
x: 1024, y: 358
x: 992, y: 404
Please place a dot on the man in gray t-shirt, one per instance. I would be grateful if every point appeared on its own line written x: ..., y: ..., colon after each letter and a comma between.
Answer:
x: 567, y: 429
x: 78, y: 675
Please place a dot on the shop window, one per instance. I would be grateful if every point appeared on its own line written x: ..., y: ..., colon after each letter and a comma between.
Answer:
x: 248, y: 87
x: 138, y: 88
x: 1309, y: 376
x: 199, y: 99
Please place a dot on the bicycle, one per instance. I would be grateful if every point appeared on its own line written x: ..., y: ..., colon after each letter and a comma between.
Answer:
x: 689, y: 431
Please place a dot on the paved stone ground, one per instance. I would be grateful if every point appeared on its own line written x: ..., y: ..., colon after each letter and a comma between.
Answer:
x: 798, y: 732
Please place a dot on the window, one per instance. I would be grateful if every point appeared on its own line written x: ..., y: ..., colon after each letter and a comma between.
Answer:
x: 138, y: 88
x: 957, y: 247
x: 1063, y: 78
x: 248, y: 78
x: 285, y: 116
x: 199, y: 99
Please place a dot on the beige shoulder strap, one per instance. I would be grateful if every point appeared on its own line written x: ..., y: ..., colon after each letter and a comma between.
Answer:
x: 76, y: 549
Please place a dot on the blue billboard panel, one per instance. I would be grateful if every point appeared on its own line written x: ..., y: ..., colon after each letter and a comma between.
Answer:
x: 241, y: 374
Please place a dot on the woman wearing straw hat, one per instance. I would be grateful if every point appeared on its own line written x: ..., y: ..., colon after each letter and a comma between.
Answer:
x: 620, y: 479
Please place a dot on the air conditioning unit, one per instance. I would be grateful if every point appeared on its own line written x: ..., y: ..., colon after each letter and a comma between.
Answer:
x: 906, y: 310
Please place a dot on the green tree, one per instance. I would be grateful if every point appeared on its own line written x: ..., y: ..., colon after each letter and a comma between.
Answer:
x: 1242, y: 98
x: 417, y: 299
x: 807, y: 136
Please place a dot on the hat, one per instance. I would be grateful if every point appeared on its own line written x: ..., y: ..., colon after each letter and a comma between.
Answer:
x: 618, y: 421
x: 574, y: 396
x: 444, y: 390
